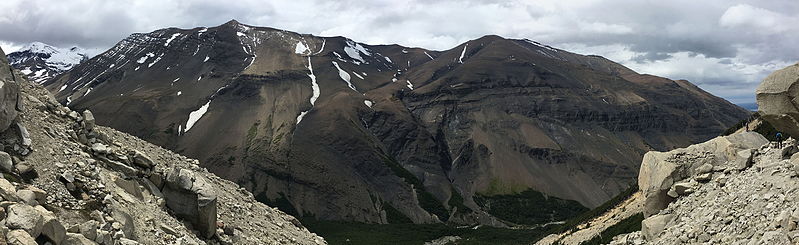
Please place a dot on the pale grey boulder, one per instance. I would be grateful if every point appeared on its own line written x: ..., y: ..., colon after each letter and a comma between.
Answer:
x: 8, y: 191
x: 88, y: 120
x: 24, y: 217
x: 6, y: 164
x: 19, y: 237
x: 652, y: 227
x: 661, y: 170
x: 777, y: 99
x: 192, y: 198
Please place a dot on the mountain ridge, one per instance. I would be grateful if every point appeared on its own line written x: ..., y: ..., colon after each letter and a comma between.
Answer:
x: 343, y: 130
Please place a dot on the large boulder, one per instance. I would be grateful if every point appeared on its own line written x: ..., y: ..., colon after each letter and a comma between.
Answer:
x: 24, y: 217
x: 9, y: 93
x: 777, y: 99
x: 19, y: 237
x: 192, y: 198
x: 661, y: 170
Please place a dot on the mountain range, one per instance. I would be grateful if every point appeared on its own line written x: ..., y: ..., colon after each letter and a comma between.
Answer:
x: 41, y: 62
x: 334, y: 129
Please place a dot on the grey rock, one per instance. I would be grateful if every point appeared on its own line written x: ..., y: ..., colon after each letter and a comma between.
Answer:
x: 25, y: 170
x: 6, y: 164
x: 706, y: 168
x: 21, y: 216
x: 743, y: 159
x: 9, y: 94
x: 100, y: 148
x: 169, y: 230
x: 19, y: 237
x: 89, y: 229
x: 775, y: 99
x: 652, y: 227
x: 192, y: 198
x: 51, y: 227
x: 77, y: 239
x: 660, y: 170
x: 131, y: 187
x: 142, y: 160
x: 8, y: 191
x: 28, y: 197
x: 88, y: 120
x: 126, y: 223
x: 683, y: 188
x: 125, y: 241
x: 24, y: 135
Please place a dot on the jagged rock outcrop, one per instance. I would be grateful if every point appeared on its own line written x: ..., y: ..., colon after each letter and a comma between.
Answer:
x: 664, y: 175
x: 9, y: 94
x: 754, y: 205
x: 71, y: 182
x: 778, y: 99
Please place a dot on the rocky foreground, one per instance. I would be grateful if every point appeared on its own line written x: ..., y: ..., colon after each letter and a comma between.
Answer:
x: 737, y: 189
x: 753, y: 205
x: 68, y: 181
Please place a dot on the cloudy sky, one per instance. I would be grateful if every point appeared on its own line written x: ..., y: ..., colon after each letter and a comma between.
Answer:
x: 725, y: 46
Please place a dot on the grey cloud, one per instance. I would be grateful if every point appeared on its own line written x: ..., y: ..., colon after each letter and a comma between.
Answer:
x: 725, y: 46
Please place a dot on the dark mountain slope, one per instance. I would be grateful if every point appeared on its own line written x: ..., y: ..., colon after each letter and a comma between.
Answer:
x: 335, y: 129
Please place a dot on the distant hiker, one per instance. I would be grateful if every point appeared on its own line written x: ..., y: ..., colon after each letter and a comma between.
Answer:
x: 779, y: 140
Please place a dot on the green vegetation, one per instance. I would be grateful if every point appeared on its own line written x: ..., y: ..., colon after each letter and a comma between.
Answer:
x: 394, y: 216
x: 336, y: 232
x: 631, y: 224
x: 456, y: 201
x: 529, y: 207
x: 401, y: 231
x: 596, y: 212
x: 426, y: 200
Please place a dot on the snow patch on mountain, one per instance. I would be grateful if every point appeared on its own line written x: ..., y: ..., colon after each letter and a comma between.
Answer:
x: 354, y: 50
x: 300, y: 48
x: 171, y: 38
x: 314, y: 87
x: 463, y: 53
x: 195, y: 116
x: 344, y: 76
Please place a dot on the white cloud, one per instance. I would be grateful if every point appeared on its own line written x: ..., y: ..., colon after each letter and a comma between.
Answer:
x: 725, y: 46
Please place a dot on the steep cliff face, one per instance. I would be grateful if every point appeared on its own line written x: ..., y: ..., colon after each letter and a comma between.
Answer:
x: 335, y: 129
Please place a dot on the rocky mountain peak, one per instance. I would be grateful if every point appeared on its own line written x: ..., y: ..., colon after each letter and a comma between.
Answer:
x: 41, y: 62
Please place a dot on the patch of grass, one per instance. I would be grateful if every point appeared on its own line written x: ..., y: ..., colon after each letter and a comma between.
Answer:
x: 631, y: 224
x: 529, y: 207
x: 596, y: 212
x: 336, y: 232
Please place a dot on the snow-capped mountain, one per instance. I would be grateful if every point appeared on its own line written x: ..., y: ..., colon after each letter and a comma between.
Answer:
x: 40, y: 61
